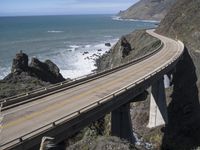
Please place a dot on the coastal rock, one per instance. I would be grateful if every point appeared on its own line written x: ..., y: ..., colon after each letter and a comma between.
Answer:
x: 24, y: 77
x: 53, y: 68
x: 20, y: 63
x: 126, y: 47
x: 108, y: 44
x: 84, y: 53
x: 47, y: 71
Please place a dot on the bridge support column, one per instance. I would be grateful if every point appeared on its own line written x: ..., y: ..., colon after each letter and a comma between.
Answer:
x: 158, y: 107
x: 121, y: 124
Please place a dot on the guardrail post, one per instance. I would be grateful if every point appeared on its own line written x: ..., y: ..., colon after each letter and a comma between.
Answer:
x: 158, y: 107
x: 54, y: 124
x: 20, y: 140
x: 121, y: 125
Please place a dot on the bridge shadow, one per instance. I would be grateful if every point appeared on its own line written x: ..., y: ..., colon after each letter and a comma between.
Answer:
x: 183, y: 129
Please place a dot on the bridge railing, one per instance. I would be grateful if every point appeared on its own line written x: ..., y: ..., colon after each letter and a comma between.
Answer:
x: 33, y: 95
x: 99, y: 102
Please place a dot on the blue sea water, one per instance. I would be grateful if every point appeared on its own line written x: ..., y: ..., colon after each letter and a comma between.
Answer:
x: 62, y: 39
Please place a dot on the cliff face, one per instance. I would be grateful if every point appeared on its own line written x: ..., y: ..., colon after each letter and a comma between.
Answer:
x: 183, y: 130
x: 148, y: 10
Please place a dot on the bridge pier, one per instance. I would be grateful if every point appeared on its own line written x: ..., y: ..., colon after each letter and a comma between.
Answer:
x: 158, y: 107
x: 121, y: 125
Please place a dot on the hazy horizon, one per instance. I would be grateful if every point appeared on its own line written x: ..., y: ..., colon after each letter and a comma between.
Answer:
x: 62, y: 7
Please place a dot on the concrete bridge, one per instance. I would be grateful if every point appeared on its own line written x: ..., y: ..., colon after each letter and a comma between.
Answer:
x: 63, y: 109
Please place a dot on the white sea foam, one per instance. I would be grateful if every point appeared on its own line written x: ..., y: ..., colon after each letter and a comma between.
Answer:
x: 4, y: 72
x: 74, y: 47
x: 85, y: 64
x: 108, y: 36
x: 81, y: 67
x: 87, y: 46
x: 117, y: 18
x: 54, y: 31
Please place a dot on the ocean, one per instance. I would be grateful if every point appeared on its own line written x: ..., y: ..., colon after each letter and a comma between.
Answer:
x: 62, y: 39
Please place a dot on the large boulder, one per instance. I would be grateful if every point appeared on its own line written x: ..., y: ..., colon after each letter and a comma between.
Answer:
x: 20, y: 63
x: 53, y: 68
x: 126, y: 47
x: 46, y: 71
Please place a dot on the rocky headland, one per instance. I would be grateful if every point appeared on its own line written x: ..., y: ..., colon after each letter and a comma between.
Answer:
x: 25, y: 77
x: 147, y: 10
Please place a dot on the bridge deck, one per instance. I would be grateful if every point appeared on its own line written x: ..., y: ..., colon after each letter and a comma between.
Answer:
x: 28, y: 117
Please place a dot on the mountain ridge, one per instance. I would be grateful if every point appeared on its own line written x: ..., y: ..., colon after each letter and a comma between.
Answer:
x: 147, y: 10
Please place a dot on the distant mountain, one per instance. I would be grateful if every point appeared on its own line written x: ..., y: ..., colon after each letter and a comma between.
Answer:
x: 147, y: 10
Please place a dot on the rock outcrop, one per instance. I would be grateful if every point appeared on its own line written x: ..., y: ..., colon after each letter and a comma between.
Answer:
x: 126, y: 47
x: 25, y: 77
x: 45, y: 71
x: 20, y: 63
x: 147, y: 10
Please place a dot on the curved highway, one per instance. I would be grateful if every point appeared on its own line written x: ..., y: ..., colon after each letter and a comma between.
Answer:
x: 25, y: 118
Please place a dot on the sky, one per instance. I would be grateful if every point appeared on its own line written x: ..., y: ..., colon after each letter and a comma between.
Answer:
x: 62, y: 7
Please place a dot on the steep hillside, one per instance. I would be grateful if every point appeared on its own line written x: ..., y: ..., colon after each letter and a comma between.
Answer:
x: 183, y: 130
x: 148, y: 10
x: 183, y: 22
x: 141, y: 43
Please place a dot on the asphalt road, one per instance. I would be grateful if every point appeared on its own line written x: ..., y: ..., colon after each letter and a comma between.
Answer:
x: 28, y: 117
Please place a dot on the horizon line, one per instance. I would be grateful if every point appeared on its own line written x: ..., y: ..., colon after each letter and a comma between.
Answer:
x: 57, y: 15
